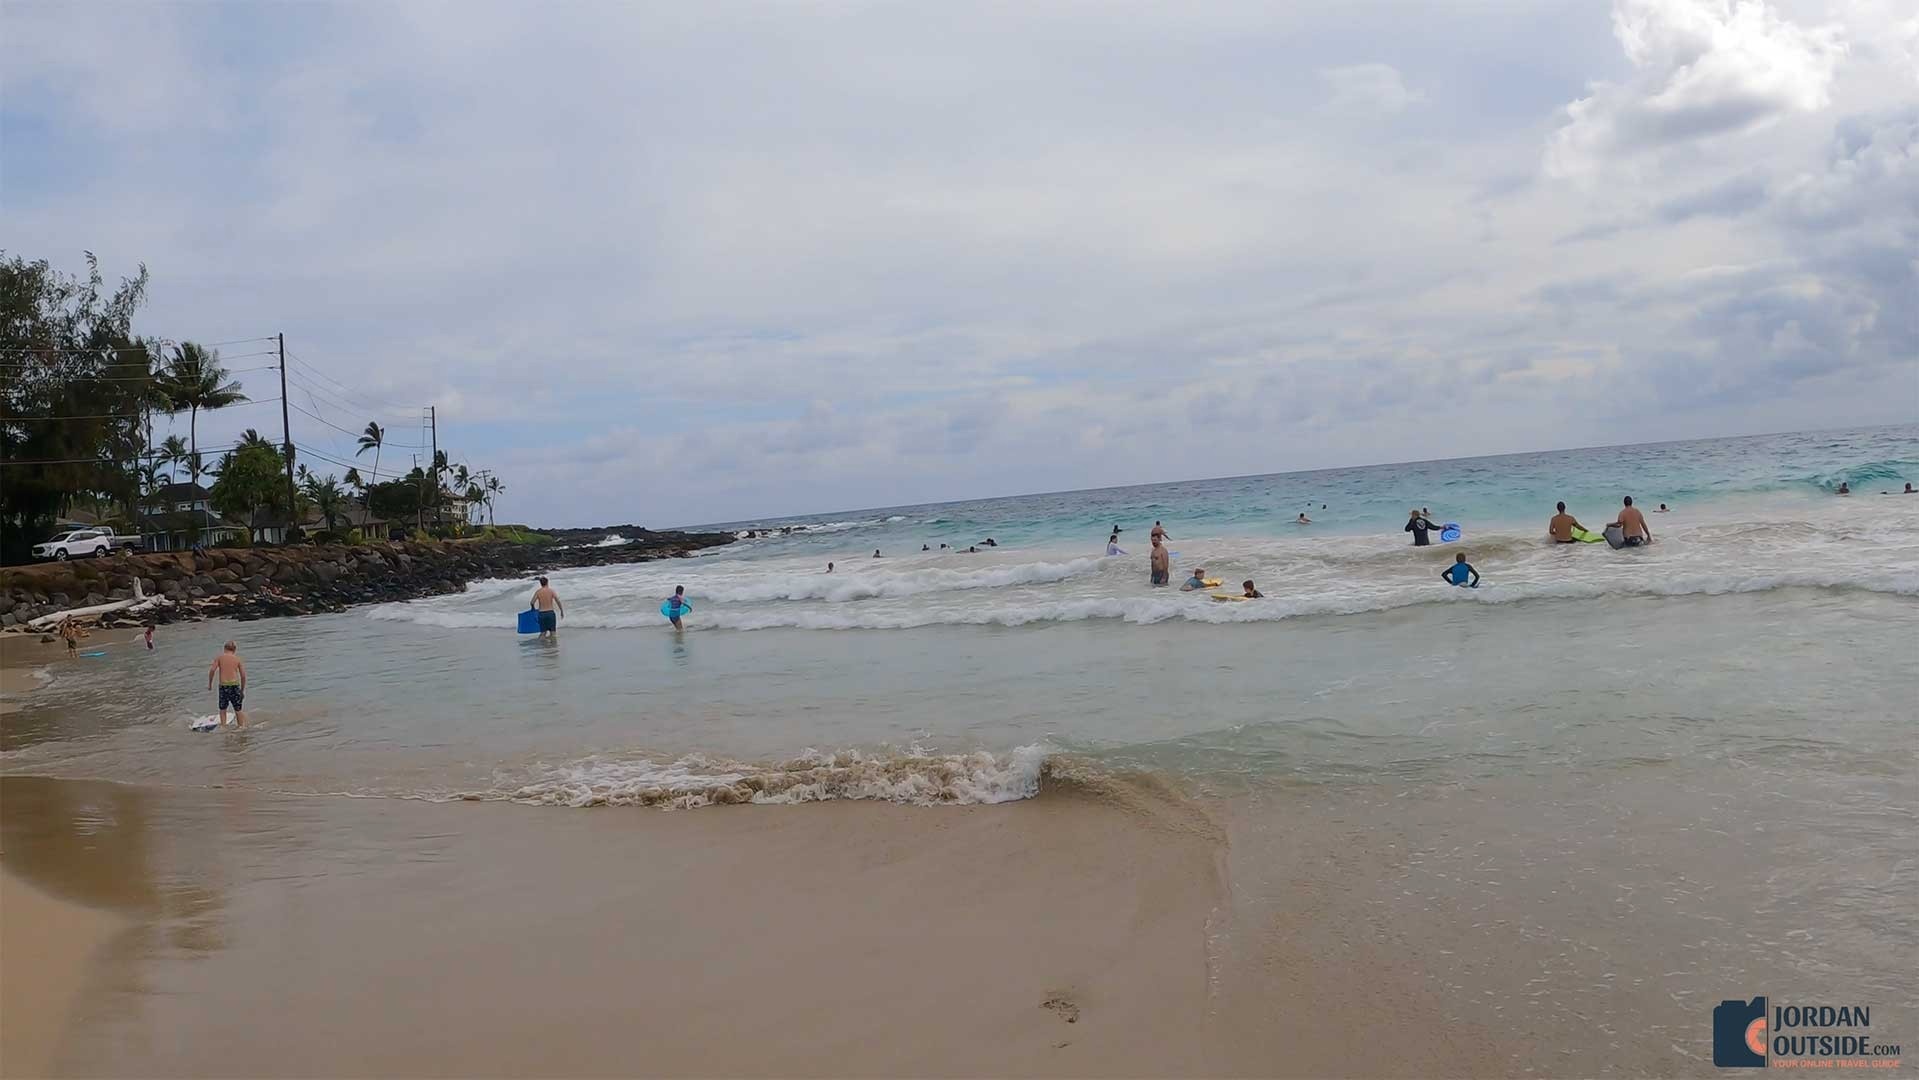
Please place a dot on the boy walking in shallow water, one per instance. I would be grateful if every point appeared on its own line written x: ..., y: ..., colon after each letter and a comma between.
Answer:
x: 233, y: 683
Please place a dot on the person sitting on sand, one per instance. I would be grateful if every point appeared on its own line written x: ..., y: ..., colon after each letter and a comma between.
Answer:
x: 547, y: 603
x: 233, y: 683
x: 1251, y: 593
x: 1161, y: 562
x: 1561, y: 527
x: 1459, y: 571
x: 1303, y: 520
x: 1196, y: 582
x: 1633, y: 524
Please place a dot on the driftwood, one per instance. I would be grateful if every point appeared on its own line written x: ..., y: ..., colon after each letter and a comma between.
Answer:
x: 140, y: 602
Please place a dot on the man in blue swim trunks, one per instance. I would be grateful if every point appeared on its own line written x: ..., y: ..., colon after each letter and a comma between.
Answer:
x: 547, y: 603
x: 232, y: 672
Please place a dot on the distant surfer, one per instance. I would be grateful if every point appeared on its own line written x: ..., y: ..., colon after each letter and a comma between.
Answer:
x: 1251, y: 593
x: 1419, y: 525
x: 1162, y: 563
x: 1459, y: 571
x: 676, y: 606
x: 1303, y: 520
x: 1632, y: 525
x: 1196, y: 582
x: 1661, y: 510
x: 1561, y: 527
x: 233, y: 684
x: 990, y: 542
x: 547, y: 603
x: 923, y: 547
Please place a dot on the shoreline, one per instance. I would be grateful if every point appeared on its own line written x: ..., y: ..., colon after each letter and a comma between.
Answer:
x: 247, y: 583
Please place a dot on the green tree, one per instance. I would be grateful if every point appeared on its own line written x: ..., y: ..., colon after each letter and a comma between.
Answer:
x: 250, y: 478
x: 173, y: 452
x: 194, y: 381
x: 72, y: 375
x: 372, y: 439
x: 327, y: 498
x: 494, y: 489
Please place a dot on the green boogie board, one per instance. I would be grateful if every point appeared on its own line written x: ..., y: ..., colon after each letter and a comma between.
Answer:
x: 1585, y: 537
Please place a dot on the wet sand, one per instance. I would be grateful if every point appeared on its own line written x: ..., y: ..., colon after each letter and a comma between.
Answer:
x: 280, y: 936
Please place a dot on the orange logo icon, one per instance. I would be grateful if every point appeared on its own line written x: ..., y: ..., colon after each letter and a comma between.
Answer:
x: 1756, y: 1035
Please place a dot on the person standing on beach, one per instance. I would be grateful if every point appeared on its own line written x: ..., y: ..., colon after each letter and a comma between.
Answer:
x: 1162, y: 563
x: 1633, y: 524
x: 1561, y: 527
x: 233, y: 683
x: 1419, y: 525
x: 547, y: 603
x: 70, y: 633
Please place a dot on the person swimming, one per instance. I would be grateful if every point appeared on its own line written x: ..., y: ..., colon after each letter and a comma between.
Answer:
x: 1844, y: 488
x: 829, y: 568
x: 876, y: 553
x: 1303, y: 520
x: 1459, y: 571
x: 1251, y: 593
x: 1197, y: 581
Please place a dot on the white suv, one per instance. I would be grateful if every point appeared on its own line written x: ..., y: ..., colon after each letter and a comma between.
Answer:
x: 77, y: 544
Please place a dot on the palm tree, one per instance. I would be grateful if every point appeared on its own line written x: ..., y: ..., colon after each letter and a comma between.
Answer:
x: 195, y: 380
x: 372, y: 439
x: 328, y: 499
x: 251, y: 438
x: 493, y: 488
x: 173, y: 452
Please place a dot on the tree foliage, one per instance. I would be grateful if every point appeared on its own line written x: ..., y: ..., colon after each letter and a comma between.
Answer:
x: 75, y: 383
x: 250, y: 478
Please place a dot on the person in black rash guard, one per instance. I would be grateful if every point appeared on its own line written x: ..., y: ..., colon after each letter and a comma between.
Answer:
x: 1419, y: 526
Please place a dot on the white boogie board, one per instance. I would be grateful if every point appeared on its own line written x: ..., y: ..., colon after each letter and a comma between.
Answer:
x: 204, y: 723
x: 1615, y: 536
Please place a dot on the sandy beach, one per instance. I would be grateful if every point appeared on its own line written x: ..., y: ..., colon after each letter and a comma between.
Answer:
x: 368, y: 937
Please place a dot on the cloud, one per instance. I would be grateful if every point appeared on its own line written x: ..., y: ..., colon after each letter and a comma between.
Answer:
x: 1704, y: 68
x: 1368, y: 88
x: 671, y: 265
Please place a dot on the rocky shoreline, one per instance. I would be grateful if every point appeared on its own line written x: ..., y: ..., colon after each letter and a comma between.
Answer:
x: 266, y: 582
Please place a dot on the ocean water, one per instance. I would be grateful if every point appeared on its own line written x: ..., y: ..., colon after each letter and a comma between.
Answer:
x: 1628, y: 783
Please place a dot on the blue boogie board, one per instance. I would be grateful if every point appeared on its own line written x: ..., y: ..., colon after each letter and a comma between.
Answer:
x: 529, y: 621
x: 666, y: 608
x: 1448, y: 533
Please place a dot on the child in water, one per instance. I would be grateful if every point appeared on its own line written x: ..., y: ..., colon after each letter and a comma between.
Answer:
x: 1459, y: 571
x: 1251, y: 593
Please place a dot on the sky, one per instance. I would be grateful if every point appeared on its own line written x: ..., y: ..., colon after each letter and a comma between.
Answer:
x: 670, y: 263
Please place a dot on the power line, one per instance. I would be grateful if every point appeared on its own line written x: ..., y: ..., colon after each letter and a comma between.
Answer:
x: 336, y: 427
x: 128, y: 416
x: 348, y: 391
x: 339, y: 401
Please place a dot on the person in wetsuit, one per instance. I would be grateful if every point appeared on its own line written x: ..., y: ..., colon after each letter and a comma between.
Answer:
x: 1419, y: 525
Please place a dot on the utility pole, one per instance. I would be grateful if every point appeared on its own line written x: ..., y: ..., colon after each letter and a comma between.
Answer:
x: 286, y: 437
x: 439, y: 507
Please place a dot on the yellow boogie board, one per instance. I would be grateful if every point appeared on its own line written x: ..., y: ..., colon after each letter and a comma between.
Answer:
x: 1227, y: 596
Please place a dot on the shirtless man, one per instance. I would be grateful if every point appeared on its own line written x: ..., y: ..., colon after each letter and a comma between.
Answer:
x: 1162, y: 562
x: 233, y: 683
x: 547, y: 603
x: 1562, y: 525
x: 1633, y: 524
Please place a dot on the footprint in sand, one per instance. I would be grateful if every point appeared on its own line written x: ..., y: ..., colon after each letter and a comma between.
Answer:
x: 1064, y: 1006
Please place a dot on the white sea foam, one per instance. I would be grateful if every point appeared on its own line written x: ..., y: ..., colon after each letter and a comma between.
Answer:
x: 1874, y: 549
x: 698, y: 780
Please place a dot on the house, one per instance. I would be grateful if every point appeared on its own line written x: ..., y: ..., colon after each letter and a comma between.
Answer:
x: 173, y: 517
x: 269, y: 524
